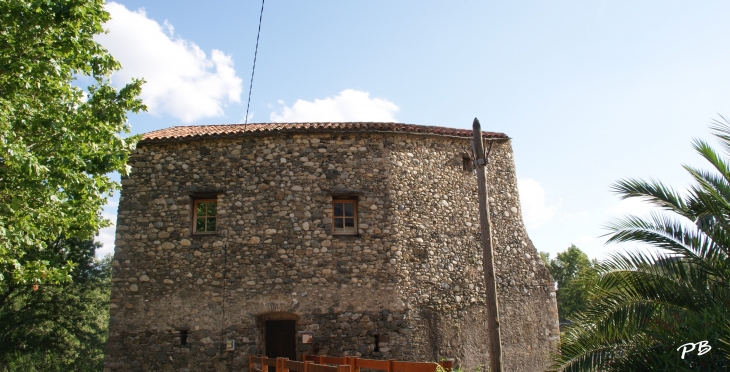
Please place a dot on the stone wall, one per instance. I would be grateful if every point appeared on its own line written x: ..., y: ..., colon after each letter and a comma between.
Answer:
x: 412, y: 276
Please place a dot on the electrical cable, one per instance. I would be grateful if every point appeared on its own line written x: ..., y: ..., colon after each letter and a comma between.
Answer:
x: 225, y: 245
x: 256, y: 52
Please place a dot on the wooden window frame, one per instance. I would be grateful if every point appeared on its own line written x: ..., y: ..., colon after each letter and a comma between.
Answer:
x: 353, y: 202
x: 195, y: 216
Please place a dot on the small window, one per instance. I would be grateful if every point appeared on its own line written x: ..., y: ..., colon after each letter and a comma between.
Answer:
x: 344, y: 217
x: 204, y: 220
x: 184, y: 337
x: 467, y: 164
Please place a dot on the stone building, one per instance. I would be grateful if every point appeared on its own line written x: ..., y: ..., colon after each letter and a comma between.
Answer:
x: 330, y: 238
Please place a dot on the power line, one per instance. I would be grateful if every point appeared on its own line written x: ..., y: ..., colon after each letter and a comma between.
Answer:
x: 261, y: 16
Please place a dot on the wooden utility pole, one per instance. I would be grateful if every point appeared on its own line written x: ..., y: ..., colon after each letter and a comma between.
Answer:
x: 495, y: 340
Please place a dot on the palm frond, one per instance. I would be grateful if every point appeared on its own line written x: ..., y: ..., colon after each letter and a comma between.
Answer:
x: 710, y: 195
x: 721, y: 130
x: 584, y: 352
x: 706, y: 151
x: 632, y: 292
x: 664, y: 232
x: 654, y: 192
x: 643, y: 303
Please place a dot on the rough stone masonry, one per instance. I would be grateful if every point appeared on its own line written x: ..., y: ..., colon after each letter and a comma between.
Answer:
x: 406, y: 282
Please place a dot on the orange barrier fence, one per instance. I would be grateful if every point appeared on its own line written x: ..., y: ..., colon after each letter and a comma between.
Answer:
x: 320, y: 363
x: 321, y: 359
x: 286, y: 365
x: 356, y: 363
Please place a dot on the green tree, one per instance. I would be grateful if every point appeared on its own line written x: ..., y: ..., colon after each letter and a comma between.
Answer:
x: 645, y: 305
x: 570, y: 270
x: 545, y: 258
x: 58, y: 327
x: 58, y: 143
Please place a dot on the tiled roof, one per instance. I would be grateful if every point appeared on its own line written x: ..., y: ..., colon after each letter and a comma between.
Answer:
x: 183, y: 133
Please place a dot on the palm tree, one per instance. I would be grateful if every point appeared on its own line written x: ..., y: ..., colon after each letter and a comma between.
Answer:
x: 644, y: 305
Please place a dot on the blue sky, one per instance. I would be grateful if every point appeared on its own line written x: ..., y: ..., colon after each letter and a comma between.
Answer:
x: 590, y: 92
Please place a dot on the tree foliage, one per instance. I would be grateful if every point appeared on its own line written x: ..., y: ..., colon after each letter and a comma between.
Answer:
x: 58, y: 327
x: 645, y: 305
x: 58, y: 143
x: 570, y: 269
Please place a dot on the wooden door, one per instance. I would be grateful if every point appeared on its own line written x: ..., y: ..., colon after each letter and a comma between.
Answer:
x: 281, y: 339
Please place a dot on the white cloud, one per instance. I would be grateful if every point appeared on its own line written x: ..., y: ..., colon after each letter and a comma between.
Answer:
x: 348, y: 105
x: 535, y: 211
x: 181, y: 80
x: 106, y: 235
x: 250, y: 118
x: 106, y: 238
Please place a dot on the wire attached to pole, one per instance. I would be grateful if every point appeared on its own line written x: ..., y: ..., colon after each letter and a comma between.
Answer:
x: 256, y: 52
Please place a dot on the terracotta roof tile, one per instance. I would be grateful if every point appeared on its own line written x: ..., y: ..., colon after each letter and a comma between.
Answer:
x: 182, y: 133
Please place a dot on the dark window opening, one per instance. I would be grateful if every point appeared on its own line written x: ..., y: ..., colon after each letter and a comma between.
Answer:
x: 183, y: 337
x: 377, y: 343
x: 467, y: 164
